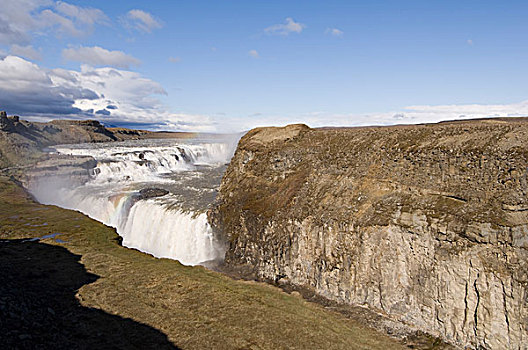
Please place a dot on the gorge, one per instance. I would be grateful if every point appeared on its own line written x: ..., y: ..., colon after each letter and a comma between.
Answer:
x: 66, y: 281
x: 425, y: 225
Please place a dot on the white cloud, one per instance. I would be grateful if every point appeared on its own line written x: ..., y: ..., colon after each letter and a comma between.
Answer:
x: 26, y: 52
x: 82, y: 14
x: 253, y: 53
x: 18, y: 71
x: 21, y: 19
x: 97, y: 56
x: 141, y: 21
x: 174, y: 59
x: 62, y: 25
x: 111, y: 95
x: 16, y: 20
x: 27, y: 89
x: 287, y: 28
x: 469, y: 42
x: 334, y: 32
x: 427, y: 114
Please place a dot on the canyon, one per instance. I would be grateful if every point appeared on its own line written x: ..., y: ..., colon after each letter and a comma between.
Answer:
x: 423, y: 227
x: 67, y: 281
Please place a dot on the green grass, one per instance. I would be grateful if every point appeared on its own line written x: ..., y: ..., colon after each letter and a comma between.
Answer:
x: 196, y: 308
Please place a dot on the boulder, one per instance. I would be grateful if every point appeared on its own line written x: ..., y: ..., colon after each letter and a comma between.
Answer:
x: 152, y: 193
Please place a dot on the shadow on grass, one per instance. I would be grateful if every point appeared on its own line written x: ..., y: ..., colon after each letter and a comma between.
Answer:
x: 38, y: 308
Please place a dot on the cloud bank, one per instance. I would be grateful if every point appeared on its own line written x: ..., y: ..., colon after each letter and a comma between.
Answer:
x: 113, y: 96
x: 125, y: 98
x: 408, y: 115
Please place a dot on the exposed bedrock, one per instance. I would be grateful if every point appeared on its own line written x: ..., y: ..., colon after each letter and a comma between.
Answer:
x: 427, y: 224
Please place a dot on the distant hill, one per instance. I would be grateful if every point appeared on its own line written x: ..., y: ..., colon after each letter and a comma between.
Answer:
x: 21, y: 141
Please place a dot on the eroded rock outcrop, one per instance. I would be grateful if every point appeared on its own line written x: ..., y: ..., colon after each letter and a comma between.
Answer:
x: 427, y: 224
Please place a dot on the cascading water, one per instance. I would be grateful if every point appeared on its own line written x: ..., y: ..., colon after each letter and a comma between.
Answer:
x: 172, y: 224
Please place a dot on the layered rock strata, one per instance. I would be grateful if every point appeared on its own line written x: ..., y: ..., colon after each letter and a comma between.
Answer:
x: 427, y: 224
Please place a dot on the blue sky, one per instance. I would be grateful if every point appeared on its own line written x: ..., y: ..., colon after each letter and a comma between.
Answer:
x: 232, y: 65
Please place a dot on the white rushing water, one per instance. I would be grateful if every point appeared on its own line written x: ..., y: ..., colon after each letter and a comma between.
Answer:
x: 170, y: 226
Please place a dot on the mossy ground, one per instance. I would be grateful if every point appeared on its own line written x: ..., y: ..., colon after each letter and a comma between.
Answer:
x: 196, y: 308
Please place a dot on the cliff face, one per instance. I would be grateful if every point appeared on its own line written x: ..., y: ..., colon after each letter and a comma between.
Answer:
x: 427, y: 224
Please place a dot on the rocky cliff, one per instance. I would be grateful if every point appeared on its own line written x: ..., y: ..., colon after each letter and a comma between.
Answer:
x: 427, y: 224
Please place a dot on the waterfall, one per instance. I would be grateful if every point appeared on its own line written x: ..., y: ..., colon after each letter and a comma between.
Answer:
x: 172, y: 225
